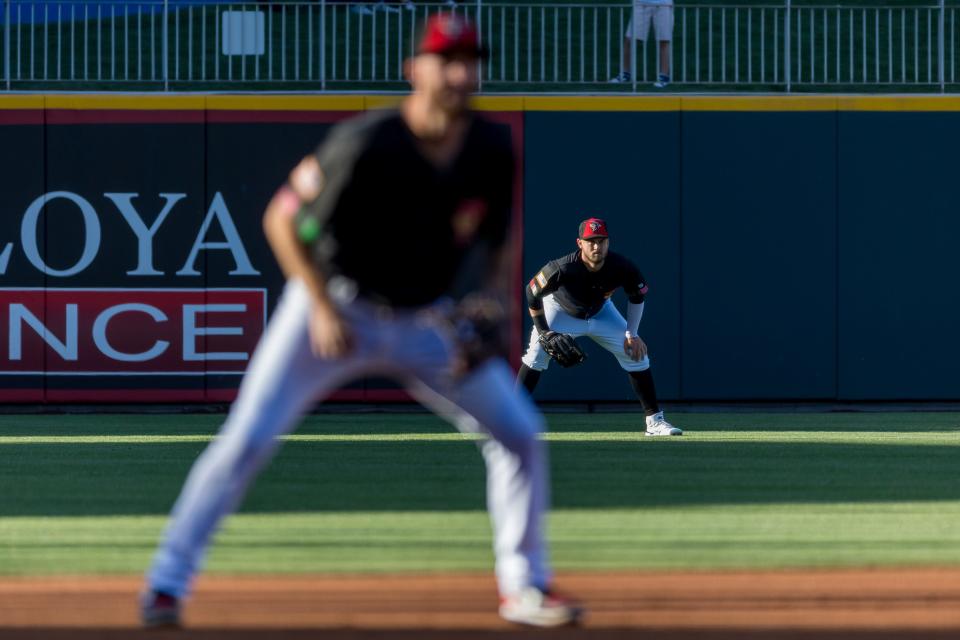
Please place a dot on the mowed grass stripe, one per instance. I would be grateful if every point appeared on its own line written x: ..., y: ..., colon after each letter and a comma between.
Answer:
x: 697, y: 425
x: 405, y: 492
x: 932, y: 438
x: 700, y: 537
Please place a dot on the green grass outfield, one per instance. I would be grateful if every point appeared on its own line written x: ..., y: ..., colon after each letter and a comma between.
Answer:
x: 86, y: 494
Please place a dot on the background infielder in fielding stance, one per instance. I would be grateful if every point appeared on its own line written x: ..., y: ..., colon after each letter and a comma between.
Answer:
x: 571, y: 295
x: 398, y: 215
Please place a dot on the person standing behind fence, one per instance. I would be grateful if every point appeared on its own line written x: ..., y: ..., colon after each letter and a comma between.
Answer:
x: 645, y: 12
x: 393, y: 6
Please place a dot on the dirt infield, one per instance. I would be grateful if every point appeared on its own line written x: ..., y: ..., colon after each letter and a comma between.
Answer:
x: 881, y: 603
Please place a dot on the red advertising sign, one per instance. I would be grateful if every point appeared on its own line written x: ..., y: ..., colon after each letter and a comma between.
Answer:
x: 129, y: 331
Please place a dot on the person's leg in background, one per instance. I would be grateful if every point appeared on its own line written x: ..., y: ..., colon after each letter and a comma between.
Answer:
x: 535, y: 360
x: 607, y: 329
x: 637, y: 30
x: 663, y: 27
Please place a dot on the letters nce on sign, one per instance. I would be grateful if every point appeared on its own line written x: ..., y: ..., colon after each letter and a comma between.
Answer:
x: 129, y: 331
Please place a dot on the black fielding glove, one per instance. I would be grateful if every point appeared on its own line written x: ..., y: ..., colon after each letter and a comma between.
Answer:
x: 562, y: 348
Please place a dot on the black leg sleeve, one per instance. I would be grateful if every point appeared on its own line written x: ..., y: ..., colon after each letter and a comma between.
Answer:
x: 528, y: 378
x: 642, y: 383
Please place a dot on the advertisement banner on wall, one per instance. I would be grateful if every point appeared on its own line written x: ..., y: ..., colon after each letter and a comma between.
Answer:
x: 133, y: 265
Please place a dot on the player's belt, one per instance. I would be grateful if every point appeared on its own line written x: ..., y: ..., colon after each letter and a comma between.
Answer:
x: 581, y: 314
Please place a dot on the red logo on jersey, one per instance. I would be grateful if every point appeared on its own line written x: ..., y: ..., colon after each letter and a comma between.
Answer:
x: 466, y: 220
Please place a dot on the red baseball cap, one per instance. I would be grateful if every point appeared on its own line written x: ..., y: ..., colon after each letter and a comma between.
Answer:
x: 593, y: 228
x: 447, y: 33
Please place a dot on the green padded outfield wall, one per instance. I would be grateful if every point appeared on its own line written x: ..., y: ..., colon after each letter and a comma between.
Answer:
x: 899, y: 228
x: 796, y: 249
x: 625, y: 168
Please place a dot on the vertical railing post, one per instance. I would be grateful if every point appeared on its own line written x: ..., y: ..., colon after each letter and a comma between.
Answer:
x: 631, y: 29
x: 787, y: 45
x: 323, y: 45
x: 6, y: 43
x: 166, y: 45
x: 479, y: 24
x: 941, y: 46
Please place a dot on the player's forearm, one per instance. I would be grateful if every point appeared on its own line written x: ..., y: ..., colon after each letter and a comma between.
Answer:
x: 288, y: 242
x: 634, y: 314
x: 535, y: 304
x: 280, y: 230
x: 539, y: 320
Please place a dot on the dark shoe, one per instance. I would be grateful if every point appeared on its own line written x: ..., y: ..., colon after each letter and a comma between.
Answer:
x: 159, y: 610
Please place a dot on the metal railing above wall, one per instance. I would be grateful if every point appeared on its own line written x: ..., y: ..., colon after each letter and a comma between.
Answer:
x: 535, y: 47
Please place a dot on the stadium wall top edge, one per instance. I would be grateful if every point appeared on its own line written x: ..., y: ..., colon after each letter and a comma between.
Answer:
x: 362, y: 102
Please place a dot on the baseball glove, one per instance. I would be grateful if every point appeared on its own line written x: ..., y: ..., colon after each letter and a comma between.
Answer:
x: 562, y: 348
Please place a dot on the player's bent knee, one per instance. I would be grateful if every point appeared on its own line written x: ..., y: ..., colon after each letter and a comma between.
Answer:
x: 535, y: 366
x: 539, y: 362
x: 519, y: 429
x: 634, y: 365
x: 521, y: 442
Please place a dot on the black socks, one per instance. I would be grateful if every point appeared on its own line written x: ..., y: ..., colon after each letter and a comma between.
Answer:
x: 642, y: 383
x: 528, y: 378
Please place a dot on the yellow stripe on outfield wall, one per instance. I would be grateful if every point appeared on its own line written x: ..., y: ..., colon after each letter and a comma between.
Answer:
x: 361, y: 102
x: 21, y: 102
x: 742, y: 103
x: 602, y: 103
x: 758, y: 103
x: 899, y: 103
x: 718, y: 103
x: 382, y: 102
x: 286, y: 103
x: 125, y: 102
x: 498, y: 103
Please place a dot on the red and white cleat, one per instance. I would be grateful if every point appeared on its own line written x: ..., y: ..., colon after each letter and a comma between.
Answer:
x: 540, y: 608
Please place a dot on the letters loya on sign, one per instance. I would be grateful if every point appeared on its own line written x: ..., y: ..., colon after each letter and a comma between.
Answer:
x: 217, y: 216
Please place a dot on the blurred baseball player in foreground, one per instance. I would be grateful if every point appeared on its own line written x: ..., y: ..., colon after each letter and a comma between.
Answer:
x: 393, y: 238
x: 570, y: 297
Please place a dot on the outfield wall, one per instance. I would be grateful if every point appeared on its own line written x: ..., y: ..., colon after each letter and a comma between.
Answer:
x: 796, y: 248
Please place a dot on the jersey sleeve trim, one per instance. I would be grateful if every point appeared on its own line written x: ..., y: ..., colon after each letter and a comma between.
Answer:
x: 544, y: 282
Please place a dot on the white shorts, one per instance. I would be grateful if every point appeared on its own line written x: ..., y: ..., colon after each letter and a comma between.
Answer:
x: 606, y: 328
x: 644, y: 14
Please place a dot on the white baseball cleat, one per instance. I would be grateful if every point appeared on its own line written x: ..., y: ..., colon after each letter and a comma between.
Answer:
x: 539, y: 608
x: 657, y: 425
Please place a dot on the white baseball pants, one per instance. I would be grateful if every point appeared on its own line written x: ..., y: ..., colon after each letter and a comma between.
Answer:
x: 284, y: 380
x: 606, y: 328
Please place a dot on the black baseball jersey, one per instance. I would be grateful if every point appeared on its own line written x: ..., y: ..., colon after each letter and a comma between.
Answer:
x: 398, y: 226
x: 581, y: 292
